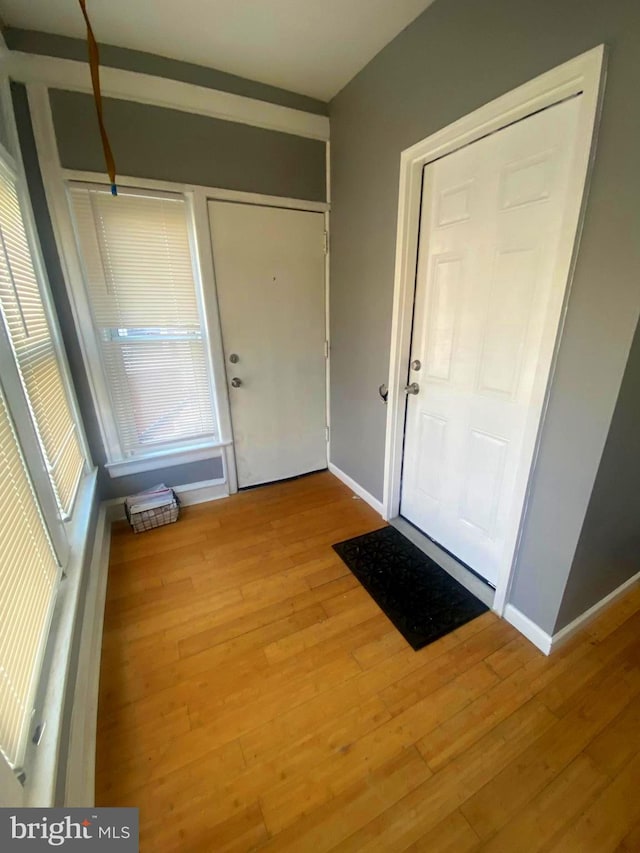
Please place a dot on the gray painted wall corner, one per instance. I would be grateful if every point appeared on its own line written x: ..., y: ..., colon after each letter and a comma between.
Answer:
x: 455, y: 57
x: 608, y: 552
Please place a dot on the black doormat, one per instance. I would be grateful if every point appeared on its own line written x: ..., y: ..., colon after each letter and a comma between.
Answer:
x: 420, y: 598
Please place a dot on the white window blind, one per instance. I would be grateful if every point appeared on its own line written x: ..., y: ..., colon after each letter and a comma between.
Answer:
x: 141, y: 289
x: 28, y: 580
x: 34, y: 349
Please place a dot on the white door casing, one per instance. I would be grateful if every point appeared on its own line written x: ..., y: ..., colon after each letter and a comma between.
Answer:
x: 585, y: 75
x: 269, y: 267
x: 487, y: 307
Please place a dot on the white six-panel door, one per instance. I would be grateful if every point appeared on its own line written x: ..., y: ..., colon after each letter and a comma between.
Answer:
x: 270, y: 280
x: 487, y: 307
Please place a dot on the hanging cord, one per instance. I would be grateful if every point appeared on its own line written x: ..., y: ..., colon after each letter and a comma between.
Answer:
x: 94, y: 63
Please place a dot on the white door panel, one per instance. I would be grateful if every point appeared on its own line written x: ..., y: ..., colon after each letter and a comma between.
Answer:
x: 269, y: 268
x: 486, y: 314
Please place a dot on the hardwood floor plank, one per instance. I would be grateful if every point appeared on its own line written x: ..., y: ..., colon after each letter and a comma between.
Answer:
x: 238, y: 834
x: 619, y: 742
x: 411, y: 689
x: 557, y: 805
x: 268, y: 741
x: 325, y: 827
x: 417, y: 814
x: 631, y: 841
x: 512, y: 656
x: 603, y: 825
x: 461, y: 730
x: 295, y: 644
x: 262, y: 703
x: 372, y: 653
x: 245, y: 616
x: 401, y: 664
x: 237, y: 637
x: 596, y: 706
x: 227, y: 795
x: 452, y: 835
x: 621, y: 643
x: 281, y: 805
x: 254, y: 697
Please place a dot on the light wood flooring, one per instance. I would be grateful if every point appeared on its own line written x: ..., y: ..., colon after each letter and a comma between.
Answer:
x: 253, y: 697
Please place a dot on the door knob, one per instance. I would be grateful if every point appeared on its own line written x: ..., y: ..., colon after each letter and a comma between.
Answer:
x: 235, y: 382
x: 414, y: 388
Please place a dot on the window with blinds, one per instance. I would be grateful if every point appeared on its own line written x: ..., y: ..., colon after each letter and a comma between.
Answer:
x: 34, y: 349
x: 141, y: 289
x: 29, y: 574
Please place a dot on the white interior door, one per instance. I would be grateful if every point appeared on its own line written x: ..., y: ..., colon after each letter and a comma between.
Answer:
x: 487, y: 307
x: 269, y: 270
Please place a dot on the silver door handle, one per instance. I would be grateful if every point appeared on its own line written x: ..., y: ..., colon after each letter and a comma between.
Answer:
x: 235, y: 382
x: 414, y: 388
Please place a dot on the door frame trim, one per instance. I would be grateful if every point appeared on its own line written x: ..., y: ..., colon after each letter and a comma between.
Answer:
x: 585, y: 75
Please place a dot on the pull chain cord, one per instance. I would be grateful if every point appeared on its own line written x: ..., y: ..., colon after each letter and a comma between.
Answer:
x: 94, y: 63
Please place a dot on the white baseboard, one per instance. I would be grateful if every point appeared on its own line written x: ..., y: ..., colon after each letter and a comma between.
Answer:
x: 357, y: 488
x: 199, y: 493
x: 189, y: 494
x: 546, y: 642
x: 564, y: 633
x: 81, y: 757
x: 531, y: 631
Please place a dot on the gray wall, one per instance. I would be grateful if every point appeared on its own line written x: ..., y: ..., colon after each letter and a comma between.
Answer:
x: 109, y: 488
x: 456, y: 56
x: 48, y: 44
x: 609, y: 548
x: 169, y: 145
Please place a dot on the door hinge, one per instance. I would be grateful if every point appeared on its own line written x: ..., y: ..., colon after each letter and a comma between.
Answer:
x: 326, y: 242
x: 326, y: 349
x: 326, y: 432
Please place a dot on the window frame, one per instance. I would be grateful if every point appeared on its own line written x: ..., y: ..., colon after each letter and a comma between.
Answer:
x: 12, y: 163
x: 23, y: 447
x: 55, y: 176
x: 24, y: 428
x: 118, y: 463
x: 68, y: 533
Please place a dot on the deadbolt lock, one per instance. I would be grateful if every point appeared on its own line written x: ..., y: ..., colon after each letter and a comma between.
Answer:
x: 234, y: 358
x: 416, y: 364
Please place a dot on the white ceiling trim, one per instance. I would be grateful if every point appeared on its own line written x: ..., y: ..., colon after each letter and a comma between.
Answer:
x: 74, y: 76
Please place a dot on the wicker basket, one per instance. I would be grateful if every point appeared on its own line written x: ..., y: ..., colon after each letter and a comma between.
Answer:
x: 149, y: 518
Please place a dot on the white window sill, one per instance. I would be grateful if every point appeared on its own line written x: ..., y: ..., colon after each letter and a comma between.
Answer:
x: 165, y: 458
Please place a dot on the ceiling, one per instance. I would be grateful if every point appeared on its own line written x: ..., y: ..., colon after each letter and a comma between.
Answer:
x: 313, y: 47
